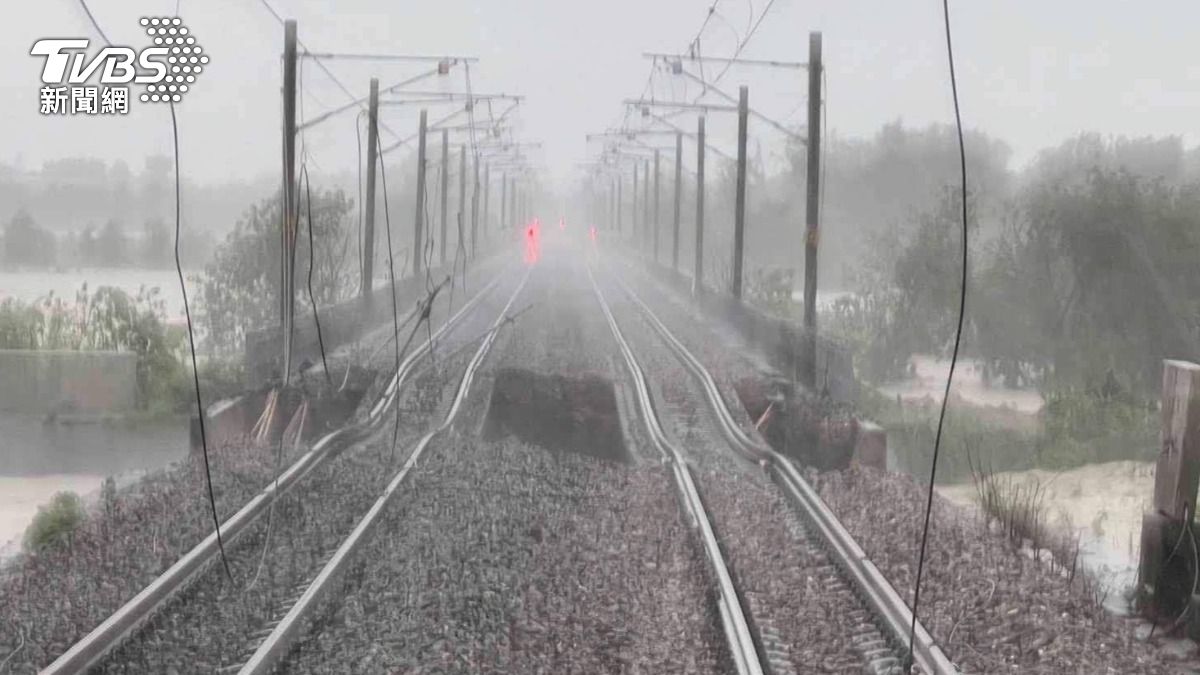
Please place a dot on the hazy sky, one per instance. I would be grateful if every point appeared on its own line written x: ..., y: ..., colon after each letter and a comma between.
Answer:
x: 1031, y: 72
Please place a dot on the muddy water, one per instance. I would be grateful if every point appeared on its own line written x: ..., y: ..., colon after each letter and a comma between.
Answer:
x: 38, y: 460
x: 929, y: 382
x: 1102, y: 504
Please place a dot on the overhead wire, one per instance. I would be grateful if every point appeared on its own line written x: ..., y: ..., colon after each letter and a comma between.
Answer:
x: 325, y: 69
x: 312, y: 298
x: 304, y: 159
x: 361, y: 252
x: 742, y: 43
x: 212, y: 501
x: 962, y: 306
x: 387, y: 220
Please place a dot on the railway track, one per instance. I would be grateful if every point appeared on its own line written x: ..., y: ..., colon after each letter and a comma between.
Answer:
x: 880, y: 625
x: 733, y: 620
x: 106, y: 638
x: 275, y: 646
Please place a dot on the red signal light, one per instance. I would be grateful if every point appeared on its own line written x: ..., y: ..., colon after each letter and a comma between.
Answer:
x: 532, y: 245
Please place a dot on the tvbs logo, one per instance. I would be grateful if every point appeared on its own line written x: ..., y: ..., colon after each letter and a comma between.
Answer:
x: 167, y: 69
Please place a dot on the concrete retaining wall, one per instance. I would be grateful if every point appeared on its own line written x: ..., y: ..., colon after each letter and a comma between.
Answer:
x: 780, y: 340
x: 42, y: 381
x: 340, y: 324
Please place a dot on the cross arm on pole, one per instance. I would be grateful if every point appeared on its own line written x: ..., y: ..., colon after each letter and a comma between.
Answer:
x: 679, y: 58
x: 706, y: 107
x: 357, y: 102
x: 713, y: 88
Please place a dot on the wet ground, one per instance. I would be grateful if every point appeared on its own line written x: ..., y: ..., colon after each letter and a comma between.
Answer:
x: 39, y: 459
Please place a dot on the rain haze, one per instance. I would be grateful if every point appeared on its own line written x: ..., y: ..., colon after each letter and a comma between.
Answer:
x: 683, y: 336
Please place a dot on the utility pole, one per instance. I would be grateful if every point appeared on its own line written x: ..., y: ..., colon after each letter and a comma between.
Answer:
x: 514, y: 204
x: 633, y: 208
x: 475, y: 206
x: 678, y: 196
x: 418, y: 252
x: 739, y: 216
x: 287, y: 232
x: 657, y: 182
x: 503, y: 202
x: 645, y: 201
x: 444, y: 189
x: 698, y: 275
x: 368, y: 253
x: 620, y: 185
x: 812, y: 212
x: 487, y: 193
x: 614, y: 210
x: 462, y: 198
x: 287, y: 258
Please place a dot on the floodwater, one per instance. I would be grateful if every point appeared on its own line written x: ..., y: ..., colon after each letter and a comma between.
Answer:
x: 38, y: 460
x: 30, y: 285
x: 1102, y: 504
x: 825, y: 299
x: 929, y: 383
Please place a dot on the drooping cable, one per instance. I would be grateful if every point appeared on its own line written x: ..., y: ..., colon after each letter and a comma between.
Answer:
x: 87, y: 10
x: 305, y: 158
x: 358, y: 142
x: 962, y: 306
x: 212, y: 501
x: 311, y: 264
x: 387, y: 223
x: 742, y: 43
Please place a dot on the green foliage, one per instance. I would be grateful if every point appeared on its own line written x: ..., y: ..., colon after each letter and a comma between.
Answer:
x: 240, y: 285
x: 157, y: 246
x: 108, y: 319
x: 1075, y: 427
x: 771, y: 289
x: 25, y: 243
x: 55, y: 524
x: 1093, y: 277
x: 908, y: 295
x: 863, y: 322
x: 1086, y: 272
x: 112, y: 247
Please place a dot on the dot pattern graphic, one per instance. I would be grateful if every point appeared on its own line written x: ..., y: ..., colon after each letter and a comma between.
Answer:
x: 185, y: 59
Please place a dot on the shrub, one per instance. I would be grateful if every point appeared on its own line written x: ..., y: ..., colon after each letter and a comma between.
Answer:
x: 55, y: 523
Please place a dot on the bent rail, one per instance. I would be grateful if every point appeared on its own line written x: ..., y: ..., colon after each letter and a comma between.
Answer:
x: 733, y: 620
x: 274, y: 649
x: 878, y: 592
x: 104, y: 638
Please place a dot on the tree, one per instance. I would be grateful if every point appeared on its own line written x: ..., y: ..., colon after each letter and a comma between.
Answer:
x: 112, y: 247
x: 25, y: 243
x: 157, y: 246
x: 241, y: 282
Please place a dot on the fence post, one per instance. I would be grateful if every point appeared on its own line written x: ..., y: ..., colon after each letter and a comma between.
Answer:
x: 1166, y: 571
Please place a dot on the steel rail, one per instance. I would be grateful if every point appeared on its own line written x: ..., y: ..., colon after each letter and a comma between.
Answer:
x: 275, y: 648
x: 733, y: 619
x: 113, y: 631
x: 876, y: 590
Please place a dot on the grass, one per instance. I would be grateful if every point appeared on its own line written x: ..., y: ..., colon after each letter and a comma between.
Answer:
x: 1019, y: 510
x: 1074, y: 429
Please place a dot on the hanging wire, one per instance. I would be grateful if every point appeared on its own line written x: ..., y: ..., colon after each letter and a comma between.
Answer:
x: 311, y: 265
x: 742, y: 43
x: 212, y: 501
x: 305, y: 158
x: 387, y: 220
x: 361, y: 251
x: 962, y: 306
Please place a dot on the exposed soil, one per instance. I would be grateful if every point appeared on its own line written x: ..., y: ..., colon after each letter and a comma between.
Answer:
x: 557, y: 412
